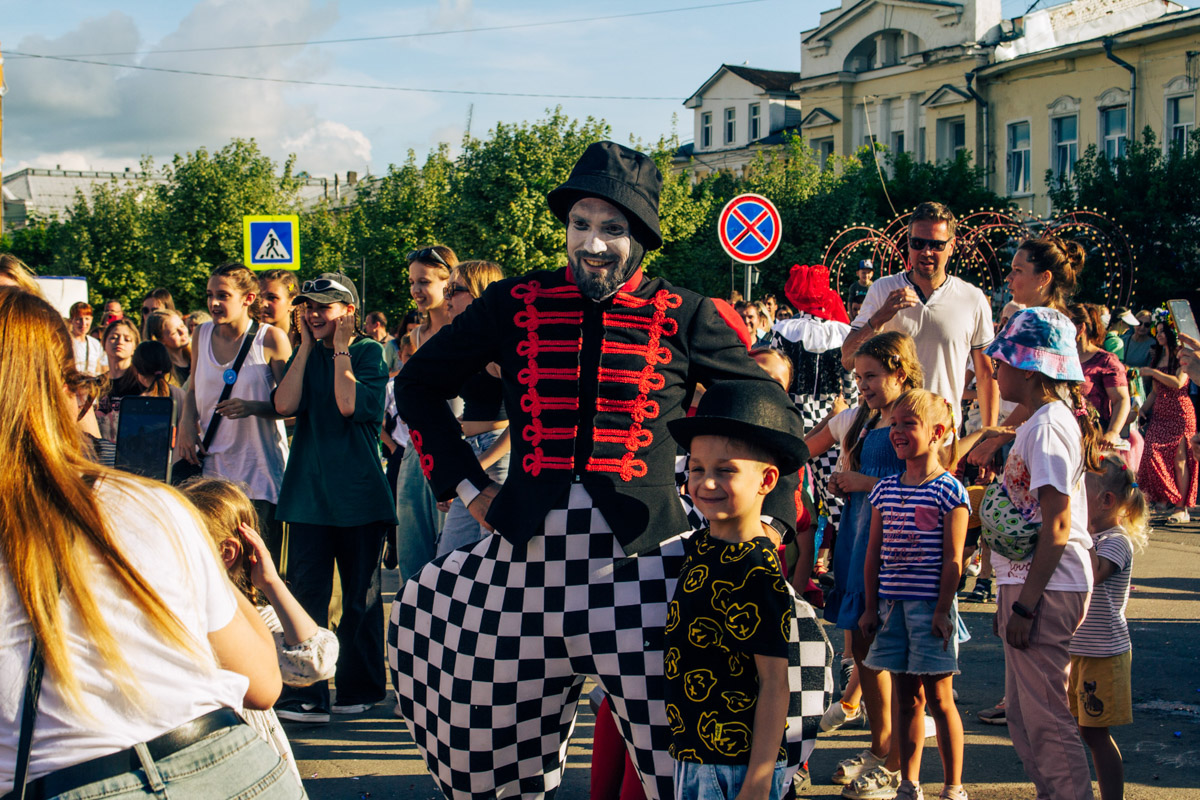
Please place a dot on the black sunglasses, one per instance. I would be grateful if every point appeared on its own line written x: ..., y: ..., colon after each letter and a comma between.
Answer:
x: 427, y: 254
x: 936, y: 245
x: 453, y: 289
x: 146, y: 310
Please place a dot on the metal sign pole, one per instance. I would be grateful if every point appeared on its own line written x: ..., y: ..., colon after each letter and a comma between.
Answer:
x: 749, y: 273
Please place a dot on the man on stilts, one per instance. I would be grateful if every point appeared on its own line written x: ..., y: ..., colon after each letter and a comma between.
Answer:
x: 491, y: 644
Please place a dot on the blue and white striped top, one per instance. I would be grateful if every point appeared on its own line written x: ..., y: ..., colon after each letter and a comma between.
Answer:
x: 913, y: 534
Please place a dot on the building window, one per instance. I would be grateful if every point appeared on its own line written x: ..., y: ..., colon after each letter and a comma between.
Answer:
x: 897, y: 142
x: 1113, y: 131
x: 1181, y: 119
x: 706, y: 130
x: 755, y: 121
x: 1018, y: 158
x: 1065, y: 132
x: 951, y: 138
x: 730, y: 125
x: 921, y: 144
x: 823, y: 149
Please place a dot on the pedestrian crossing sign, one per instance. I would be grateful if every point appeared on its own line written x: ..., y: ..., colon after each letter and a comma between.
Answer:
x: 271, y: 242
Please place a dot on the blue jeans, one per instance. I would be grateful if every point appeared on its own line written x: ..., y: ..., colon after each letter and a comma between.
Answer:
x: 720, y: 781
x: 232, y: 763
x: 460, y: 528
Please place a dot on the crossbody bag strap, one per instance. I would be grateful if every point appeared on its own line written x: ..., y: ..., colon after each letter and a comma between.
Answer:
x: 211, y: 431
x: 33, y: 688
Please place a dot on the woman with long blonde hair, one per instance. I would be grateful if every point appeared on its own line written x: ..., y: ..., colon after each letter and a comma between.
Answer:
x: 115, y: 607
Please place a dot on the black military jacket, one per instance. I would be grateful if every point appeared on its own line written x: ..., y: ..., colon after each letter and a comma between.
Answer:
x: 589, y: 388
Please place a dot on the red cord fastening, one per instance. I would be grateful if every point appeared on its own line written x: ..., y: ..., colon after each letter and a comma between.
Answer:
x: 640, y: 408
x: 634, y: 438
x: 626, y: 466
x: 533, y: 403
x: 535, y: 433
x: 534, y: 346
x: 646, y: 379
x: 529, y: 292
x: 536, y: 461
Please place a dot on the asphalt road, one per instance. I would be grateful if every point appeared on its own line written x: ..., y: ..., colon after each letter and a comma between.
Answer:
x: 372, y: 755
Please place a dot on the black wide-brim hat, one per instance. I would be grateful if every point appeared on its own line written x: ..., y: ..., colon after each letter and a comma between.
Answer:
x: 623, y: 177
x: 758, y: 412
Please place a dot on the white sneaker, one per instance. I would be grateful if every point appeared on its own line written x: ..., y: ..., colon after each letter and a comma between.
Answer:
x: 1179, y: 517
x: 878, y: 784
x: 850, y: 769
x: 351, y: 708
x: 910, y: 791
x: 835, y: 716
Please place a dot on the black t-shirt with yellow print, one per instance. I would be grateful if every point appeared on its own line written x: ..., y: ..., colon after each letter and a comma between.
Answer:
x: 731, y: 603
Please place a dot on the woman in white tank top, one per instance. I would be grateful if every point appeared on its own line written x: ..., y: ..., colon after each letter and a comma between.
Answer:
x: 249, y: 446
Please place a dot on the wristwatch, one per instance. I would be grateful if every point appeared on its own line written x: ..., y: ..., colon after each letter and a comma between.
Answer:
x: 1021, y: 611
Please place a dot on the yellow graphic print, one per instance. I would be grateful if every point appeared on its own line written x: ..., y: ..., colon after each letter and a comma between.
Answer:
x: 675, y: 719
x: 704, y: 632
x: 736, y: 552
x: 785, y: 624
x: 687, y: 754
x: 723, y: 589
x: 729, y: 739
x: 672, y: 615
x: 695, y: 578
x: 735, y: 664
x: 671, y: 663
x: 697, y: 684
x: 742, y: 620
x: 738, y: 701
x: 704, y: 544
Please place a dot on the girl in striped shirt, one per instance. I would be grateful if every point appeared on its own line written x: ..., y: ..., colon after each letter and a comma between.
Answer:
x: 914, y: 560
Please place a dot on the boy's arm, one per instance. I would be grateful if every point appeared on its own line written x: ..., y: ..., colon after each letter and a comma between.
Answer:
x: 953, y: 540
x: 770, y: 721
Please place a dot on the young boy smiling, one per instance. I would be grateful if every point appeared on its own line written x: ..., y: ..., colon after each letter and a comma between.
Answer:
x: 727, y: 628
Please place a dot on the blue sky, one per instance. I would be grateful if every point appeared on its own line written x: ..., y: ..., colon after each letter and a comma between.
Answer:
x: 83, y: 116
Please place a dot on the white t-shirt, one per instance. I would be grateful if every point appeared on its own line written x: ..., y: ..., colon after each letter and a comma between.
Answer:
x: 89, y: 355
x: 1048, y: 451
x: 167, y: 547
x: 952, y: 322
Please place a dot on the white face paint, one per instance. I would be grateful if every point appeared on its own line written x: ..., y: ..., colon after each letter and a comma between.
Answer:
x: 598, y: 247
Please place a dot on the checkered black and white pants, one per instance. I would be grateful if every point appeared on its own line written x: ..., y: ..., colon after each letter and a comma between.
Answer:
x: 490, y: 646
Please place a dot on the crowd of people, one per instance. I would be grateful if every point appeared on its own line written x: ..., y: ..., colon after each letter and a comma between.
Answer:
x: 582, y: 473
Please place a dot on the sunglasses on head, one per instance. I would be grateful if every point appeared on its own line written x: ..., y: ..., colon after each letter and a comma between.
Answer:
x: 453, y: 289
x: 919, y: 243
x: 427, y: 254
x: 146, y: 310
x: 323, y: 285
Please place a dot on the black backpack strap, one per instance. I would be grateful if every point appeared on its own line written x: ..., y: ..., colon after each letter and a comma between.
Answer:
x: 33, y: 688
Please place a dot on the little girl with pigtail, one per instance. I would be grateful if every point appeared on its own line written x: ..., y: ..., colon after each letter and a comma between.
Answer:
x: 1036, y: 523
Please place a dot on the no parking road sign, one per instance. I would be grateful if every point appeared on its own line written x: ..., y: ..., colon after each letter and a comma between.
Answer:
x: 271, y: 242
x: 749, y: 228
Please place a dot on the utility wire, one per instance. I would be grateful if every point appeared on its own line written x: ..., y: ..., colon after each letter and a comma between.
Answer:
x: 355, y: 39
x: 336, y: 85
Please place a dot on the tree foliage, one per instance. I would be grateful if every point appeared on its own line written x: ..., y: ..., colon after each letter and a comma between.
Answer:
x: 1150, y: 193
x: 178, y: 222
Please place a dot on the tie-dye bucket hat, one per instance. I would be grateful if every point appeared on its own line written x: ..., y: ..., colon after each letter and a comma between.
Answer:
x: 1039, y: 340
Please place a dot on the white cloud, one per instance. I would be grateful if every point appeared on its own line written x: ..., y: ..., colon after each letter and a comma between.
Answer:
x: 78, y: 113
x: 328, y: 148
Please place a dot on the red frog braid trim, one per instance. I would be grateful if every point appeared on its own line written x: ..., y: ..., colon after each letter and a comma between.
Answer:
x: 536, y: 461
x: 647, y: 379
x: 424, y: 459
x: 626, y: 466
x: 530, y: 318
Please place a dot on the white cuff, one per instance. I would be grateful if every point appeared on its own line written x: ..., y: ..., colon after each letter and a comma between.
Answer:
x: 466, y: 491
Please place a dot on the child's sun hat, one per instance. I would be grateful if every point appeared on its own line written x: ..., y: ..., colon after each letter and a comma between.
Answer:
x: 1039, y: 340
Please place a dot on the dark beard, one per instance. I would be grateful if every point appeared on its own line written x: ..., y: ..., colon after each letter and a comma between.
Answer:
x: 600, y: 287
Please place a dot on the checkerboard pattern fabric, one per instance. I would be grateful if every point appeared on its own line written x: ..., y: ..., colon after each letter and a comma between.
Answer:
x: 813, y: 409
x: 490, y: 645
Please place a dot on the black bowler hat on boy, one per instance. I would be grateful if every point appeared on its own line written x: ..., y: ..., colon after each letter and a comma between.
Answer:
x: 624, y: 177
x: 758, y: 412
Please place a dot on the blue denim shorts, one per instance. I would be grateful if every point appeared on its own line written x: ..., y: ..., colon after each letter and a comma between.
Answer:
x: 695, y: 781
x: 234, y: 762
x: 905, y: 642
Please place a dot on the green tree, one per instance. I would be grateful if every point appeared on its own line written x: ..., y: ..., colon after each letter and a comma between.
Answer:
x: 1150, y: 193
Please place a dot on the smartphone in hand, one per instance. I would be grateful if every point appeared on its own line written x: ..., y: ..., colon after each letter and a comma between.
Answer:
x: 1184, y: 319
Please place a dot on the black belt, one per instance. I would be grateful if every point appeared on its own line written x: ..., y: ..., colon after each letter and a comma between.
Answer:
x: 113, y: 764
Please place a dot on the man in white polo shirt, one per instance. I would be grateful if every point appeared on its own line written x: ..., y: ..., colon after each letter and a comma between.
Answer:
x: 947, y: 317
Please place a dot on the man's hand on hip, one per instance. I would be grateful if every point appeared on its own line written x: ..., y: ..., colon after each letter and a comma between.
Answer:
x: 482, y: 502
